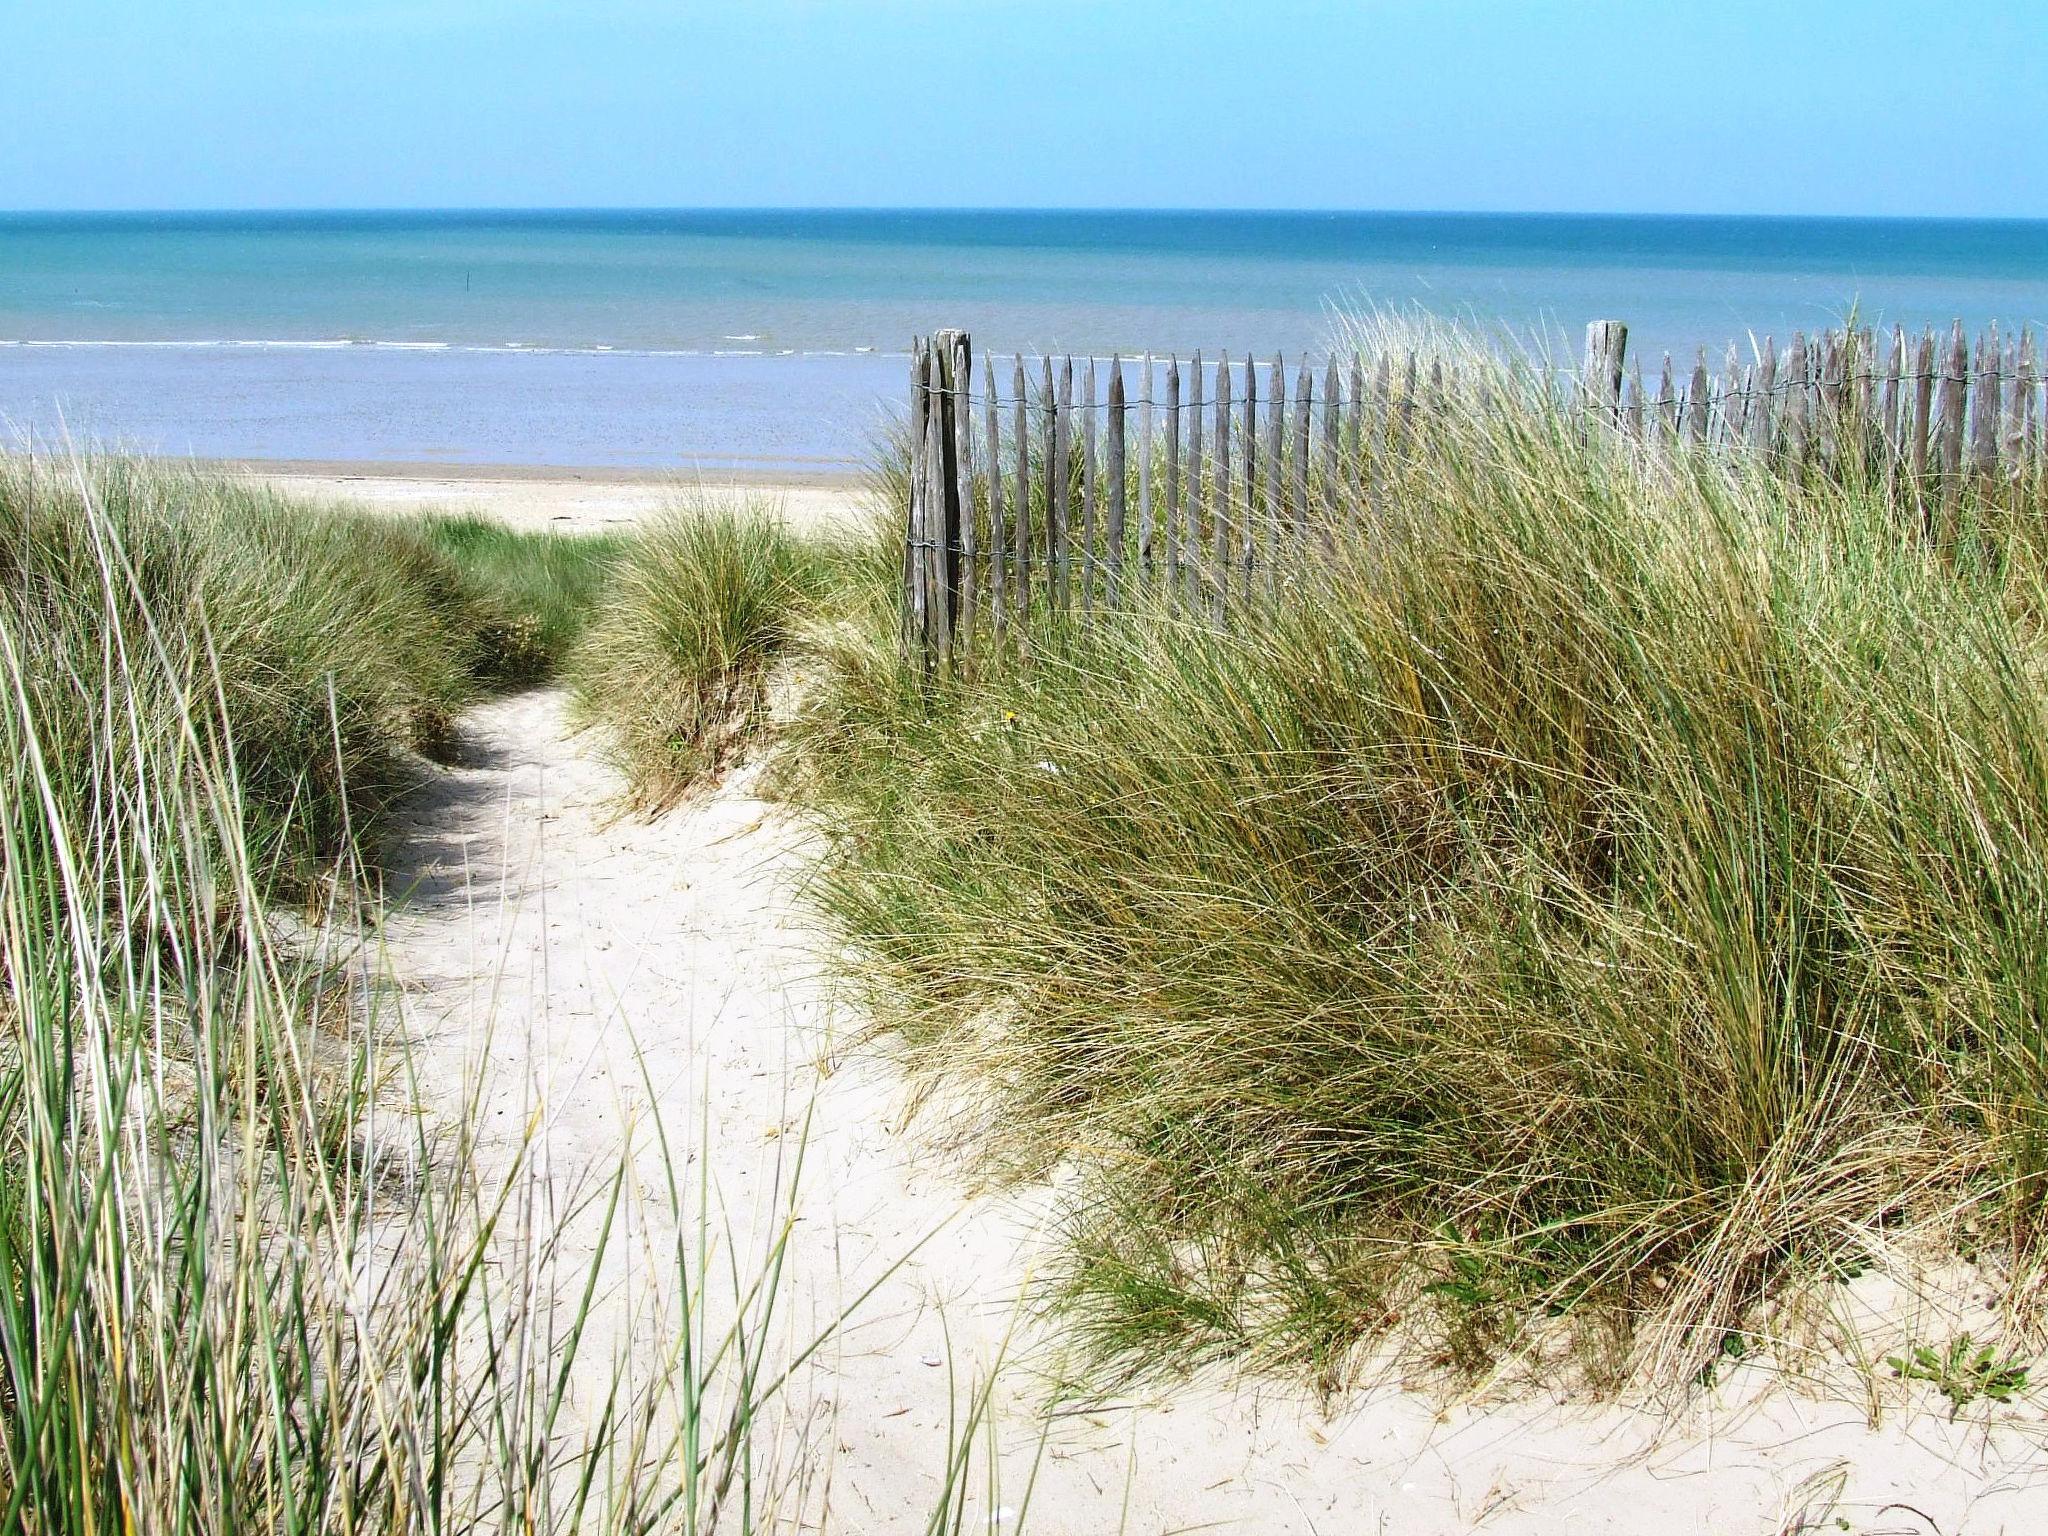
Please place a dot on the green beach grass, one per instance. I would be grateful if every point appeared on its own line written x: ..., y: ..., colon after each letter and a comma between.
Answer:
x: 1597, y: 905
x: 675, y: 666
x: 536, y: 592
x: 1594, y: 906
x: 242, y: 1285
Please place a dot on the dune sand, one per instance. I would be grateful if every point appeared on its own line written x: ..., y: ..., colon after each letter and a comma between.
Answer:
x: 613, y: 973
x: 567, y: 499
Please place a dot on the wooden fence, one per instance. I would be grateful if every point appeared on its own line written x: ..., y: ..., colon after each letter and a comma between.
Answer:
x: 1050, y: 494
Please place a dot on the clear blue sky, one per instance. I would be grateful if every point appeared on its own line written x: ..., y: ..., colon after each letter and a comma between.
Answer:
x: 1791, y: 106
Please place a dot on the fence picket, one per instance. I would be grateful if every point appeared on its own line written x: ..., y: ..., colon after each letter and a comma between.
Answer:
x: 980, y: 534
x: 1382, y: 432
x: 1600, y: 373
x: 1219, y: 490
x: 2020, y: 432
x: 998, y: 545
x: 1275, y: 508
x: 1248, y: 525
x: 1763, y: 402
x: 1172, y: 486
x: 1297, y: 469
x: 1354, y: 444
x: 1984, y: 436
x: 1117, y: 491
x: 1021, y: 429
x: 1955, y: 397
x: 963, y: 554
x: 1191, y: 553
x: 1734, y: 398
x: 1889, y: 431
x: 1865, y: 403
x: 1832, y: 394
x: 1333, y: 433
x: 941, y: 506
x: 1798, y: 408
x: 1090, y: 557
x: 1919, y: 433
x: 1061, y: 487
x: 2011, y: 437
x: 913, y: 547
x: 1145, y: 439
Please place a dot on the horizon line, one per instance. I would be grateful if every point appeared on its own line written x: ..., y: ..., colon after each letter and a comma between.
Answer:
x: 228, y: 210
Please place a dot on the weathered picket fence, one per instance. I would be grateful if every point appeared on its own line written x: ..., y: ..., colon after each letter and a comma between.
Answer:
x: 1052, y: 495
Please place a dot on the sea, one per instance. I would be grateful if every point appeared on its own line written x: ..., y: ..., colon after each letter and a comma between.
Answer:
x: 776, y: 341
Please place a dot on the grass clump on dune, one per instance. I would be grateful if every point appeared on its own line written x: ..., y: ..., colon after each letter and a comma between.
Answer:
x: 243, y: 1285
x: 1600, y: 898
x: 340, y: 646
x: 207, y: 692
x: 676, y: 663
x: 535, y: 592
x: 335, y: 647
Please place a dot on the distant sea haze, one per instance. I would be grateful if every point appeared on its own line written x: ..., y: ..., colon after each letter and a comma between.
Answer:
x: 773, y: 339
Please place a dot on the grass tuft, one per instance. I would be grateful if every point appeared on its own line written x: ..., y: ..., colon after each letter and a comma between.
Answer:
x: 676, y: 665
x: 1570, y: 912
x: 532, y: 593
x: 243, y: 1285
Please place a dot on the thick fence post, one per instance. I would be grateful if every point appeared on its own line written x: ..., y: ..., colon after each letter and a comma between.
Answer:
x: 933, y: 566
x: 1600, y: 375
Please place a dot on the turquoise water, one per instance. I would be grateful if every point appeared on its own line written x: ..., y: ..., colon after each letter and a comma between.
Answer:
x: 774, y: 338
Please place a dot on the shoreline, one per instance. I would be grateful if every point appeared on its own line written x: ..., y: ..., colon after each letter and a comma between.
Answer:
x: 451, y: 471
x: 575, y: 498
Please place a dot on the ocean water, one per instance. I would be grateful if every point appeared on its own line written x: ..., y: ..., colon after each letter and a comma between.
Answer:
x: 775, y: 339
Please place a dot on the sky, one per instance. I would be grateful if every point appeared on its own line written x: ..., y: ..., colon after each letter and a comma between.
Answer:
x: 1739, y: 106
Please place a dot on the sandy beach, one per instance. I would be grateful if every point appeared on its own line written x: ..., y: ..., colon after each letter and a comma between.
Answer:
x: 723, y: 817
x: 561, y: 498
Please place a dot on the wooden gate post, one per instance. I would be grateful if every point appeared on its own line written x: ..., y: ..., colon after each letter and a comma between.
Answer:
x: 1600, y: 374
x: 934, y: 574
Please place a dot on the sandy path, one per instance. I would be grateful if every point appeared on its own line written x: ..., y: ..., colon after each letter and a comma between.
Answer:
x: 544, y: 497
x: 576, y: 935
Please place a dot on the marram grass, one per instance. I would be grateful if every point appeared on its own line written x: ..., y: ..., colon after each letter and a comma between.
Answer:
x: 242, y: 1288
x: 676, y: 664
x: 1598, y: 898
